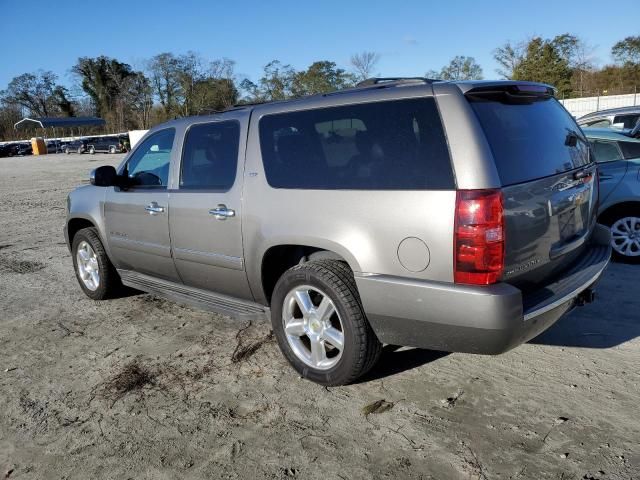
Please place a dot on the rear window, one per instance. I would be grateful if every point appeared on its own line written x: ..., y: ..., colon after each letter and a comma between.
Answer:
x: 530, y: 140
x: 627, y: 121
x: 630, y: 149
x: 392, y: 145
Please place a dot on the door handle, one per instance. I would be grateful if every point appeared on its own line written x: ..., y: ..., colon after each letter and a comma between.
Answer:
x: 221, y: 212
x: 153, y: 208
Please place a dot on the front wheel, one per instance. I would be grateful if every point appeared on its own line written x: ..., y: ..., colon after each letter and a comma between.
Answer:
x: 95, y: 273
x: 625, y: 238
x: 92, y: 150
x: 320, y: 325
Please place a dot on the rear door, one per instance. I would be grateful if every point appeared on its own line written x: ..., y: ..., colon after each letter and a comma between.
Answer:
x: 206, y: 209
x: 549, y: 183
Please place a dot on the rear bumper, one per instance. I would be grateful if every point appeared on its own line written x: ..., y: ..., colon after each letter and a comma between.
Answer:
x: 475, y: 319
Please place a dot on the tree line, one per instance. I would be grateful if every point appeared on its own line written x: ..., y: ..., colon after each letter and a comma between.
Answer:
x: 173, y: 85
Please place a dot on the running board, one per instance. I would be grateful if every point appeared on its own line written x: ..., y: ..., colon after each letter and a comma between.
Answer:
x: 214, y: 302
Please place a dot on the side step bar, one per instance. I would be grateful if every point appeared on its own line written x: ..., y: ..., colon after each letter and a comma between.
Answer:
x: 214, y: 302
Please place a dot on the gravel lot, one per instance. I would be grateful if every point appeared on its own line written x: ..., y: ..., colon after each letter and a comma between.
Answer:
x: 142, y: 388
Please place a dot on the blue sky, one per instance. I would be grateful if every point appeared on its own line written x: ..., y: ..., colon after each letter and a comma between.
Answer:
x: 411, y: 36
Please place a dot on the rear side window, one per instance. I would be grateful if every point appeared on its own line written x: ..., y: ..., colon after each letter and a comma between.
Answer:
x: 599, y: 123
x: 628, y: 121
x: 530, y: 140
x: 392, y: 145
x: 605, y: 151
x: 630, y: 149
x: 210, y: 156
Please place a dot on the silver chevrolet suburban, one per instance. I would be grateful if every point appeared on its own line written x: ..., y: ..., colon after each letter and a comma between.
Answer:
x: 457, y: 216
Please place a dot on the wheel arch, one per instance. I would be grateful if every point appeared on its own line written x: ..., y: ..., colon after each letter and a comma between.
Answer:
x: 277, y: 259
x: 611, y: 213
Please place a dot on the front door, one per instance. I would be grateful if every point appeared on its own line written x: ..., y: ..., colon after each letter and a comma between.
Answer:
x: 206, y: 210
x: 137, y: 218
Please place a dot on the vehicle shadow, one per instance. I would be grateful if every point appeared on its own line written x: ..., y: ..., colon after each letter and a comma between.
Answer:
x: 396, y: 359
x: 613, y: 319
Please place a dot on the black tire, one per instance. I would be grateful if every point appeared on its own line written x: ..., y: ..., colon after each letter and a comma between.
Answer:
x: 361, y: 349
x: 92, y: 151
x: 110, y: 285
x: 66, y: 150
x: 79, y: 149
x: 112, y: 150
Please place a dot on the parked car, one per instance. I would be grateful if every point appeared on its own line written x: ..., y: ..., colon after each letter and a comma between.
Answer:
x: 104, y: 144
x: 54, y: 146
x: 8, y: 150
x: 625, y: 118
x: 76, y: 146
x: 457, y: 216
x: 618, y: 157
x: 24, y: 148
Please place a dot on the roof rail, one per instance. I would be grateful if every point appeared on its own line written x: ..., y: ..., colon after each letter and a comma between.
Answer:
x: 383, y: 80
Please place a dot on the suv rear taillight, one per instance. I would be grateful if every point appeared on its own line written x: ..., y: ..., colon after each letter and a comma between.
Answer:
x: 478, y: 256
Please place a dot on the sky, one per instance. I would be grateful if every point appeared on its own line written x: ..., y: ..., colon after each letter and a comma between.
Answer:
x: 411, y: 36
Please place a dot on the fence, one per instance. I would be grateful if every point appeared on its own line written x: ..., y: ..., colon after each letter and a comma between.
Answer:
x: 581, y: 106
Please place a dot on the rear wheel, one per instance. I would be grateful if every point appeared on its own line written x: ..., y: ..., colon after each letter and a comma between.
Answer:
x: 320, y: 324
x: 112, y: 149
x: 95, y: 273
x: 625, y: 237
x: 92, y: 150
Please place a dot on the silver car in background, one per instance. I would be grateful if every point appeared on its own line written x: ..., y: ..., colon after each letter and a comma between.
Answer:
x: 458, y: 216
x: 618, y: 156
x: 622, y: 118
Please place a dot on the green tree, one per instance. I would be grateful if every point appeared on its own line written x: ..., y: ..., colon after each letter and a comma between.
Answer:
x: 578, y: 56
x: 35, y: 92
x: 627, y: 51
x: 113, y: 87
x: 60, y: 97
x: 508, y: 57
x: 320, y: 77
x: 459, y: 68
x: 275, y: 83
x: 164, y: 72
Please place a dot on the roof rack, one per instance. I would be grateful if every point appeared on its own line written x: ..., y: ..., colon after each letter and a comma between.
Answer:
x: 383, y: 80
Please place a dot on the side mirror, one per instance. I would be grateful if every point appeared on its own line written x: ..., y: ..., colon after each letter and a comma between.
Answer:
x: 105, y: 176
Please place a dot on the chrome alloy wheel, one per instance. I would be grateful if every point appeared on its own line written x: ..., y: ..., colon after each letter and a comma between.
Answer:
x: 88, y: 268
x: 313, y: 327
x: 625, y: 236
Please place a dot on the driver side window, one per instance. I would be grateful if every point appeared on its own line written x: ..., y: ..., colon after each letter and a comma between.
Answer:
x: 149, y: 164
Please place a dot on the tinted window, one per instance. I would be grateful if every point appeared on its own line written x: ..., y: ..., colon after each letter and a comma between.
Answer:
x: 394, y: 145
x: 149, y: 164
x: 630, y: 149
x: 210, y: 156
x: 605, y: 151
x: 530, y: 140
x: 629, y: 121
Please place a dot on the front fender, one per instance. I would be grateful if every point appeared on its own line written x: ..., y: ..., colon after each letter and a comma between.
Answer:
x: 87, y: 203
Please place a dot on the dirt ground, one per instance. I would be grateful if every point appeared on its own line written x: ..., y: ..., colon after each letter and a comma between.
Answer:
x: 142, y: 388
